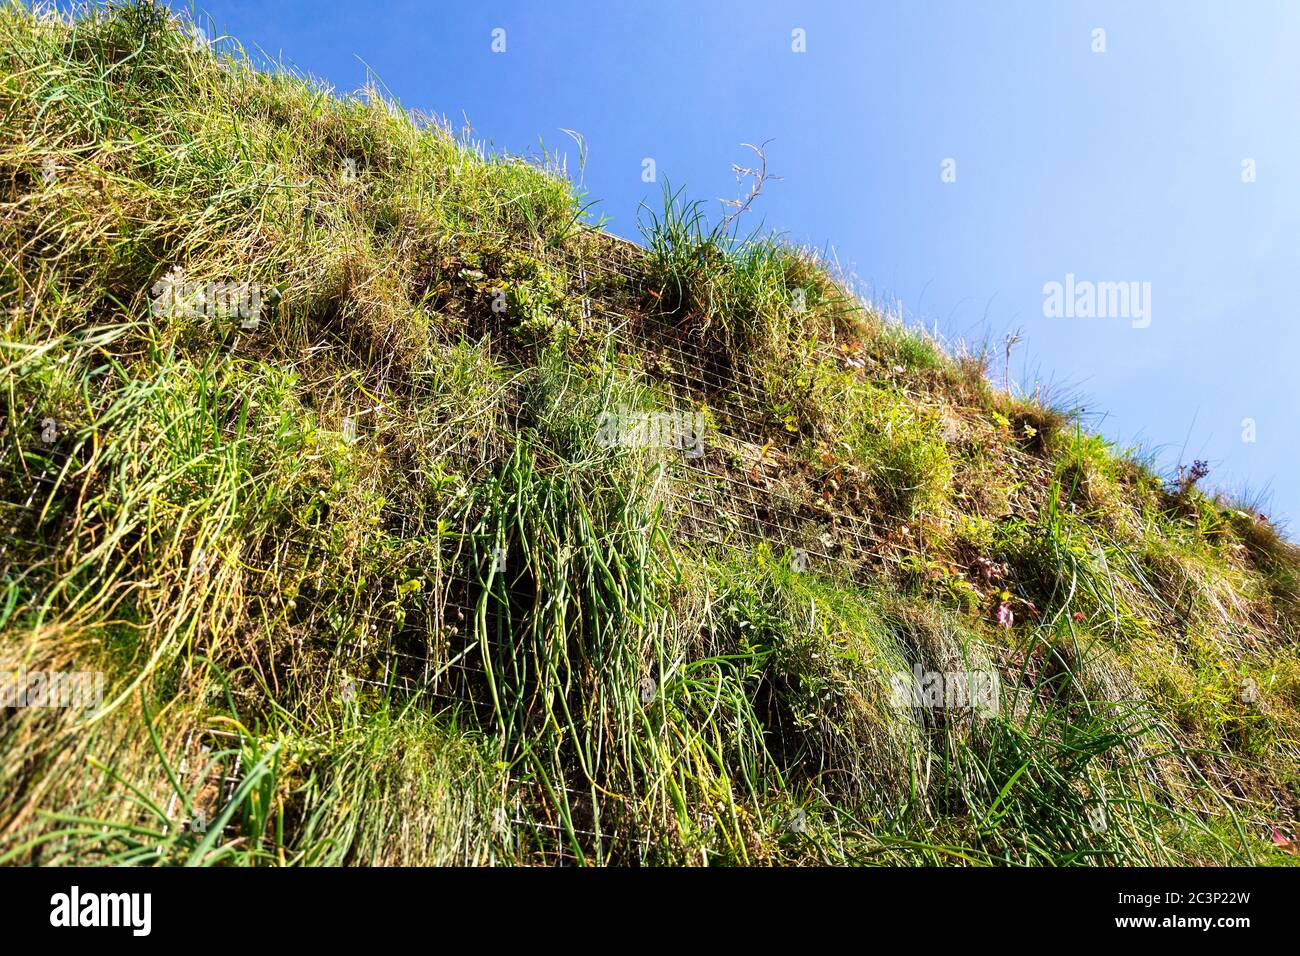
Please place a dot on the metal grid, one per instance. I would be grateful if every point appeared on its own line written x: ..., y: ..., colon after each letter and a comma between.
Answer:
x: 24, y: 521
x: 749, y: 487
x: 215, y: 790
x: 746, y: 490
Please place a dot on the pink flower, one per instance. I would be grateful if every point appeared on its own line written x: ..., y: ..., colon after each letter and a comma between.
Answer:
x: 1005, y: 616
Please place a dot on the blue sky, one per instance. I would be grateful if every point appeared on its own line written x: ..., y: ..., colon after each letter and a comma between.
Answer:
x: 1117, y: 166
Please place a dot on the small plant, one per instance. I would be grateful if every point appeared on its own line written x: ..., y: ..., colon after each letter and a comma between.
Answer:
x: 1188, y: 476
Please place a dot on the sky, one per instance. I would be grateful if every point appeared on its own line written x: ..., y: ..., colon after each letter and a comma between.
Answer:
x: 956, y: 157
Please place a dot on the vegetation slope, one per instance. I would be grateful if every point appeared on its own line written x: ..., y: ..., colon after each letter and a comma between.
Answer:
x: 368, y: 587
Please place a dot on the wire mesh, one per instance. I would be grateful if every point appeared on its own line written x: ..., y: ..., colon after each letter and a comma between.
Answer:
x: 746, y: 488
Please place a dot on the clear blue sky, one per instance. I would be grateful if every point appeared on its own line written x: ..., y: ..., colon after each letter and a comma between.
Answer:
x: 1125, y: 165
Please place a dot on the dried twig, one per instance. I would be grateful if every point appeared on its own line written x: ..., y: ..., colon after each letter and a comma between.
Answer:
x: 758, y: 178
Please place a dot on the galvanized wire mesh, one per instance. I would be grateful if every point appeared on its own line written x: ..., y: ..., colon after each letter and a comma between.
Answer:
x: 747, y: 488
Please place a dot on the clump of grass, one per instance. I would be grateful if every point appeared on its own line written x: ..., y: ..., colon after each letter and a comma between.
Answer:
x: 884, y: 431
x: 398, y: 787
x: 827, y: 656
x: 755, y: 297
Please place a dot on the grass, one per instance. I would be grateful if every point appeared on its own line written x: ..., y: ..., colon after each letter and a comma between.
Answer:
x: 366, y: 587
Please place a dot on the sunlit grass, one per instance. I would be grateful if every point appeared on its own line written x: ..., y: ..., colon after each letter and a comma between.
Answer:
x: 366, y: 589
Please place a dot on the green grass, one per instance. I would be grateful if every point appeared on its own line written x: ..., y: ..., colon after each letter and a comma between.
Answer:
x: 371, y: 554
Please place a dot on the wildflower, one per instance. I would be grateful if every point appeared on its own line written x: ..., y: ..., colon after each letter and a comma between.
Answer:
x: 1286, y: 846
x: 1006, y: 617
x: 1188, y: 477
x: 988, y: 571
